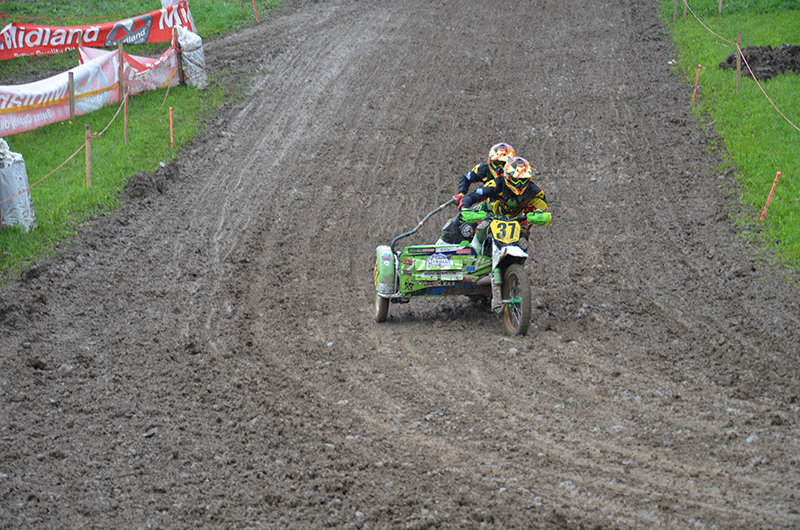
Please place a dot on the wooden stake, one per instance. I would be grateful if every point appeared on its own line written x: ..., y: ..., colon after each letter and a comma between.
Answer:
x: 720, y: 7
x: 121, y: 72
x: 674, y: 10
x: 71, y: 88
x: 125, y: 121
x: 178, y: 51
x: 738, y: 59
x: 88, y: 156
x: 685, y: 5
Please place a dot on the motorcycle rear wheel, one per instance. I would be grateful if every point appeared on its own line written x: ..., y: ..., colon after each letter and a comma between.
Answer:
x: 381, y: 303
x: 517, y: 288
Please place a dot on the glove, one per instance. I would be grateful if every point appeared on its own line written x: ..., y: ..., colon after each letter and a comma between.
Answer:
x: 458, y: 197
x: 539, y: 217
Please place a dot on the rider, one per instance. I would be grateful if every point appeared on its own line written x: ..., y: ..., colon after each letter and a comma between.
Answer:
x: 499, y: 154
x: 510, y: 195
x: 493, y: 168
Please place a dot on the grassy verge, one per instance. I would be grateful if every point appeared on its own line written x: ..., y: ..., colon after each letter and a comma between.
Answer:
x: 62, y: 201
x: 758, y: 140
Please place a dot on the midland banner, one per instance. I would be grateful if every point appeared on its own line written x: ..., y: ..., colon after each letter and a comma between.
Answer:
x: 21, y: 40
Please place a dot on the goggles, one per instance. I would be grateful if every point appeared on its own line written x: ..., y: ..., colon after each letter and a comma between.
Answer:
x: 498, y: 167
x: 518, y: 186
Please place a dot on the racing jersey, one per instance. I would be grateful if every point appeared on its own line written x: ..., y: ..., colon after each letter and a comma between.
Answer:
x: 504, y: 201
x: 481, y: 173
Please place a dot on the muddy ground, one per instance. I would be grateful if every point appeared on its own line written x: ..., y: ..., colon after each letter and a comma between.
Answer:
x: 208, y: 356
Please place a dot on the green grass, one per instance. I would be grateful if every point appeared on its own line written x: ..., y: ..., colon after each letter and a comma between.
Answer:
x: 758, y: 140
x: 62, y: 202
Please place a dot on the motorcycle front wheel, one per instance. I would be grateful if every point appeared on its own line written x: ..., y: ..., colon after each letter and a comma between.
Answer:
x: 517, y: 290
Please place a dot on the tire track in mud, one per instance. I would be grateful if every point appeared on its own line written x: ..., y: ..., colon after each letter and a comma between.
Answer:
x: 220, y: 336
x: 619, y: 457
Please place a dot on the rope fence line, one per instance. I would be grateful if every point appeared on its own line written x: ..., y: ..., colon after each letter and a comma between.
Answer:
x: 71, y: 156
x: 133, y: 100
x: 46, y: 176
x: 742, y: 57
x: 702, y: 24
x: 764, y: 92
x: 121, y: 105
x: 741, y: 54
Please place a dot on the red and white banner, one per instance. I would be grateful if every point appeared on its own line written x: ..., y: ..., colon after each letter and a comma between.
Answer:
x: 142, y: 74
x: 26, y: 107
x: 21, y: 40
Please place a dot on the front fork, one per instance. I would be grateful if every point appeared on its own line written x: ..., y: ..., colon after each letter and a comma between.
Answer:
x: 497, y: 295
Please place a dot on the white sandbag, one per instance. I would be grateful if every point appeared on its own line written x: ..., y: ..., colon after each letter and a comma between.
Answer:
x: 193, y: 60
x: 18, y: 210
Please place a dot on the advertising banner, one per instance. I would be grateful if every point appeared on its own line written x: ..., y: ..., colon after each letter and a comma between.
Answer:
x: 142, y: 74
x: 21, y: 40
x: 26, y: 107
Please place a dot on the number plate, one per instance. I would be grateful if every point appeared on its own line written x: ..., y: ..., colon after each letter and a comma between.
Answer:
x: 505, y: 231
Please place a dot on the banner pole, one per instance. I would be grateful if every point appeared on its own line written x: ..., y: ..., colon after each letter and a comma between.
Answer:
x: 121, y: 72
x: 125, y: 121
x: 178, y: 53
x: 71, y: 88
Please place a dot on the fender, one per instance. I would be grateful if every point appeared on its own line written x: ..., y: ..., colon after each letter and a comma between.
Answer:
x: 385, y: 270
x: 508, y: 250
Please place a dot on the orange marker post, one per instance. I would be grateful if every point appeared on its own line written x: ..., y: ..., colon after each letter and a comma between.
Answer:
x: 770, y: 195
x: 697, y: 80
x: 256, y: 11
x: 171, y: 137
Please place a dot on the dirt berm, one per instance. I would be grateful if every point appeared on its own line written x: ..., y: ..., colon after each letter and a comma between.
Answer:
x: 208, y: 356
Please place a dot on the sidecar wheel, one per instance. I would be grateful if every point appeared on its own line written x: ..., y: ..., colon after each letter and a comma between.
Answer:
x: 381, y: 303
x: 381, y: 308
x: 517, y: 288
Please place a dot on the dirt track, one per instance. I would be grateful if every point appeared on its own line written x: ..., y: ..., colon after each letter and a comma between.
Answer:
x: 208, y: 356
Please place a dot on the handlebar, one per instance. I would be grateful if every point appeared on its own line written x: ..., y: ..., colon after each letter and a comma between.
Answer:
x: 469, y: 216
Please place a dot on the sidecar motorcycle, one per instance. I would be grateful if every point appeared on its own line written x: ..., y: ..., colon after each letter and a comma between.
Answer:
x: 491, y: 264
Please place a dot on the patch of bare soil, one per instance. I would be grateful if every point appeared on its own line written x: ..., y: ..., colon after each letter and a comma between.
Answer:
x: 208, y: 356
x: 767, y: 62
